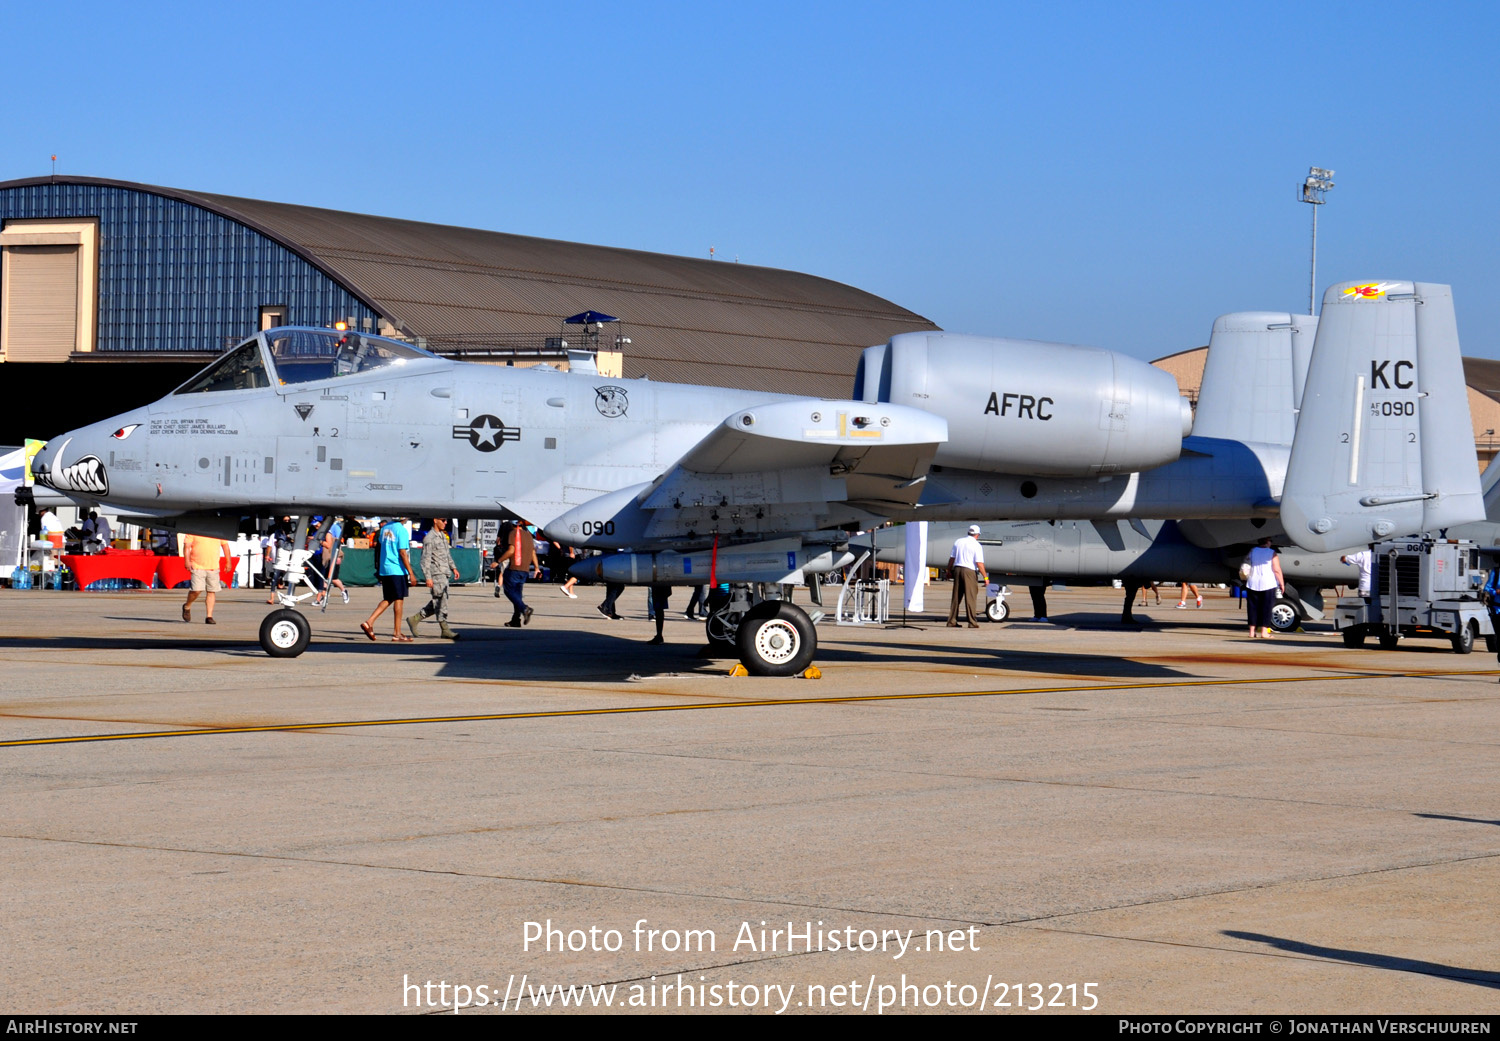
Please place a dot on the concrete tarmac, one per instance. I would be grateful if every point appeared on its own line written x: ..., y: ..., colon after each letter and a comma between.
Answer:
x: 1076, y: 816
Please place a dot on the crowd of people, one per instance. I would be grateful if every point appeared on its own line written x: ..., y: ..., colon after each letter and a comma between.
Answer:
x: 522, y: 557
x: 1261, y: 582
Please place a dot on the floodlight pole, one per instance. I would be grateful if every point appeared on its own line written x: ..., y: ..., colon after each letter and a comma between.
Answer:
x: 1312, y: 278
x: 1313, y: 189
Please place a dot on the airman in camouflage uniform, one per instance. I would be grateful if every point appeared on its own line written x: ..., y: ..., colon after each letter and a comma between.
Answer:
x: 437, y: 563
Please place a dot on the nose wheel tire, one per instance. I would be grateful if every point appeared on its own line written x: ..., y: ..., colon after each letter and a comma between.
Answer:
x: 776, y: 639
x: 997, y: 611
x: 285, y: 633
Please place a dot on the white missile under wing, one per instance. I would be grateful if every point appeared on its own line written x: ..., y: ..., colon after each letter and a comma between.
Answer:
x: 797, y: 464
x: 1384, y: 435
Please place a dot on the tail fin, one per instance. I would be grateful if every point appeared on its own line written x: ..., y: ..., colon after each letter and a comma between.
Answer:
x: 1253, y: 379
x: 1382, y: 444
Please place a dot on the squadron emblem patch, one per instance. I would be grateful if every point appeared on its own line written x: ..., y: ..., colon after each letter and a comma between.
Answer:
x: 611, y: 401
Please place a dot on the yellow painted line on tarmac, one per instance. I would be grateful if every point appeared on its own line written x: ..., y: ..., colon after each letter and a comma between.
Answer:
x: 272, y: 728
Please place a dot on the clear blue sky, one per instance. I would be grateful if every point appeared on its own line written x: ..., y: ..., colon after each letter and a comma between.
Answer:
x: 1114, y: 174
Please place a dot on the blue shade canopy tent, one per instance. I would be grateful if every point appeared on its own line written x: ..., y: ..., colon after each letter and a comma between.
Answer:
x: 589, y: 318
x: 592, y: 321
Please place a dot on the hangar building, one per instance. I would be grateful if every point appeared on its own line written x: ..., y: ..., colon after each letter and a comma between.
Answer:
x: 95, y: 270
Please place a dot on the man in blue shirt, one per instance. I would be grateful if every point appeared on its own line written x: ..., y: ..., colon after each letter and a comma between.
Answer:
x: 393, y: 565
x: 1491, y: 597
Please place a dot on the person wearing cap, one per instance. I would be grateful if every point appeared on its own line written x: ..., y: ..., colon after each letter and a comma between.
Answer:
x: 967, y: 565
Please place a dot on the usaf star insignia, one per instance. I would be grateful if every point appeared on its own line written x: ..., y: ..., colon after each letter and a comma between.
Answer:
x: 486, y: 433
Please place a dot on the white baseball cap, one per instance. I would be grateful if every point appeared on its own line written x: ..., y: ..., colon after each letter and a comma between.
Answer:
x: 973, y: 529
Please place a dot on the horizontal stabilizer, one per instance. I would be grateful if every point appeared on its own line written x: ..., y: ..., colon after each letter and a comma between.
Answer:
x: 1382, y: 443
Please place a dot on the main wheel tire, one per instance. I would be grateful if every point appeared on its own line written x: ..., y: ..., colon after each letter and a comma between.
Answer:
x: 997, y: 610
x: 716, y: 629
x: 1463, y: 640
x: 776, y: 639
x: 1388, y: 640
x: 1354, y: 636
x: 285, y: 633
x: 1284, y: 616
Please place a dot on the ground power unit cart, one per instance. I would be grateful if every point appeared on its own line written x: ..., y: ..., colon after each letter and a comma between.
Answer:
x: 1420, y: 587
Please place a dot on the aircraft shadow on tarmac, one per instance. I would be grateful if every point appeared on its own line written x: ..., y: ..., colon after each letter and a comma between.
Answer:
x: 1461, y: 820
x: 1379, y: 961
x: 492, y: 651
x: 998, y: 657
x: 572, y: 655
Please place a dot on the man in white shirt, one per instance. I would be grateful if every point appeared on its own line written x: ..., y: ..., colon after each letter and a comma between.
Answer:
x: 967, y: 566
x: 51, y: 523
x: 1365, y: 561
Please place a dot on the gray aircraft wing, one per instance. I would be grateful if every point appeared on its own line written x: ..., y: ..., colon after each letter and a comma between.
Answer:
x: 1386, y: 451
x: 782, y: 466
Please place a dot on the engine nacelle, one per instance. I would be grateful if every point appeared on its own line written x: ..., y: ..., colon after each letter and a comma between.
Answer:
x: 1023, y: 406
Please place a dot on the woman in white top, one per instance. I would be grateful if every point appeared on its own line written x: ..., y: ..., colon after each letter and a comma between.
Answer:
x: 1261, y: 588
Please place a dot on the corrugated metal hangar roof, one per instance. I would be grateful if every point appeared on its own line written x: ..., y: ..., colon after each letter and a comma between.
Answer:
x: 686, y: 317
x: 689, y: 320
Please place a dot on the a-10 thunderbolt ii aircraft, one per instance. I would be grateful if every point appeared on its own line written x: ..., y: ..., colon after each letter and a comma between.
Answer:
x: 309, y: 420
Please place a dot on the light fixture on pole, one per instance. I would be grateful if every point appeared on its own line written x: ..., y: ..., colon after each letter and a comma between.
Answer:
x: 1313, y: 189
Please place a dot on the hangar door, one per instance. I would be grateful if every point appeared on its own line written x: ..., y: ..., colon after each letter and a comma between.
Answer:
x: 46, y: 291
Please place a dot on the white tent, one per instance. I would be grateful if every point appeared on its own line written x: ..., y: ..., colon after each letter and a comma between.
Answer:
x: 12, y: 517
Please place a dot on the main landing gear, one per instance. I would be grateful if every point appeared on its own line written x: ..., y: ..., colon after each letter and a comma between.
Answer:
x: 769, y: 635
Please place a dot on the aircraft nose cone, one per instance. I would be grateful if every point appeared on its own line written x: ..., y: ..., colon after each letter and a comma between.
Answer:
x: 45, y: 462
x: 71, y: 464
x: 45, y: 455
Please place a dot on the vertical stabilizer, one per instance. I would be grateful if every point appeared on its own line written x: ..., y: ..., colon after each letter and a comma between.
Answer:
x: 1256, y: 368
x: 1383, y: 439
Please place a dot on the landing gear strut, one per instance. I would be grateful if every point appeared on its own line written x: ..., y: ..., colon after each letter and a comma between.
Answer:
x: 285, y: 633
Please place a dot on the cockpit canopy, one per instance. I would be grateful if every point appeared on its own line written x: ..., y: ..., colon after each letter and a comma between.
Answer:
x: 286, y: 356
